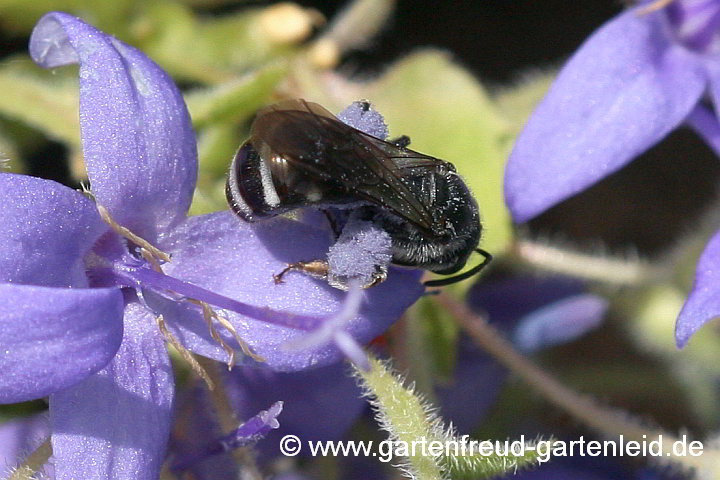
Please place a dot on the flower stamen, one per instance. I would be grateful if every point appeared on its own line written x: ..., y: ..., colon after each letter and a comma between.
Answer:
x: 653, y: 7
x: 184, y: 352
x: 152, y: 255
x: 209, y: 314
x: 126, y: 233
x: 151, y: 259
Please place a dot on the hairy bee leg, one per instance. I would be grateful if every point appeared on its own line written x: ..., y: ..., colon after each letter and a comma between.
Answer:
x: 380, y: 276
x: 315, y: 268
x: 403, y: 141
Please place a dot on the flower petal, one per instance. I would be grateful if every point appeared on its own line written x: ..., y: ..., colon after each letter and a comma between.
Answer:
x: 706, y: 125
x: 230, y: 257
x: 47, y: 230
x: 138, y: 143
x: 52, y: 338
x: 624, y: 90
x: 703, y: 303
x: 506, y: 300
x: 560, y: 322
x: 116, y: 424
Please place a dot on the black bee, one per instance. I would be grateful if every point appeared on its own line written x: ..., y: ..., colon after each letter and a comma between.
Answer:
x: 299, y: 154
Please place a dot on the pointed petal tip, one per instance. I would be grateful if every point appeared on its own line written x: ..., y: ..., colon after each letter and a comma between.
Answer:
x: 130, y: 112
x: 49, y: 43
x: 689, y: 321
x: 703, y: 302
x: 600, y: 113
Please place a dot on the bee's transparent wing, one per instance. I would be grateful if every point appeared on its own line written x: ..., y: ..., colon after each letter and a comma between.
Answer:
x: 331, y: 152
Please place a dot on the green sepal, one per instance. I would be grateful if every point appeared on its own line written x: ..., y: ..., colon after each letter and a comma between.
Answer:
x: 44, y: 100
x: 478, y: 465
x: 205, y: 49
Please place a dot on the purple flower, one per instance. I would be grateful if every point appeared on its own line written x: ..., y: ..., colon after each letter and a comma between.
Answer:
x: 247, y: 434
x: 637, y: 78
x: 320, y: 404
x: 80, y: 305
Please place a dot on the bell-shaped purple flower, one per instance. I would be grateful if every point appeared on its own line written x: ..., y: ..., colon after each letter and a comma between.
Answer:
x: 82, y: 306
x: 637, y: 78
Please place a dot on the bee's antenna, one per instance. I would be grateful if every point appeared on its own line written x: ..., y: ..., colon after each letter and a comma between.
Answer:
x: 458, y: 278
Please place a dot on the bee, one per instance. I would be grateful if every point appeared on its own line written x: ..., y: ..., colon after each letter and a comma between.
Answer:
x: 301, y: 155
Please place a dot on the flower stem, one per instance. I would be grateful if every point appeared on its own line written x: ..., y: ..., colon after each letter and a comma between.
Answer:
x: 583, y: 408
x: 34, y: 462
x: 608, y: 269
x: 353, y: 28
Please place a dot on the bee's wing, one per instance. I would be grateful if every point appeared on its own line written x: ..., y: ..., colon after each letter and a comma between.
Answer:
x: 314, y: 140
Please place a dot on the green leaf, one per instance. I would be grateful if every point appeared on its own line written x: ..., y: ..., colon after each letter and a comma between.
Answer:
x: 212, y: 49
x: 237, y: 100
x: 448, y: 114
x: 44, y: 100
x: 517, y: 102
x: 216, y: 146
x: 20, y: 16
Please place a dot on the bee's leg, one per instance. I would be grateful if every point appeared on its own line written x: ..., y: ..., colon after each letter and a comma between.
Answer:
x: 335, y: 223
x: 315, y: 268
x: 402, y: 141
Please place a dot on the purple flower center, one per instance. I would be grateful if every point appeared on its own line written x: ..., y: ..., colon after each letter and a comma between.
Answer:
x: 696, y: 24
x: 111, y: 263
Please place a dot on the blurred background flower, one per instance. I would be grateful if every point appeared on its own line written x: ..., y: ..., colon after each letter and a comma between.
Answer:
x: 590, y: 287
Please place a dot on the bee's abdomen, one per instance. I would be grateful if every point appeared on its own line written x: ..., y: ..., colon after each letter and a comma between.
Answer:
x: 250, y: 189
